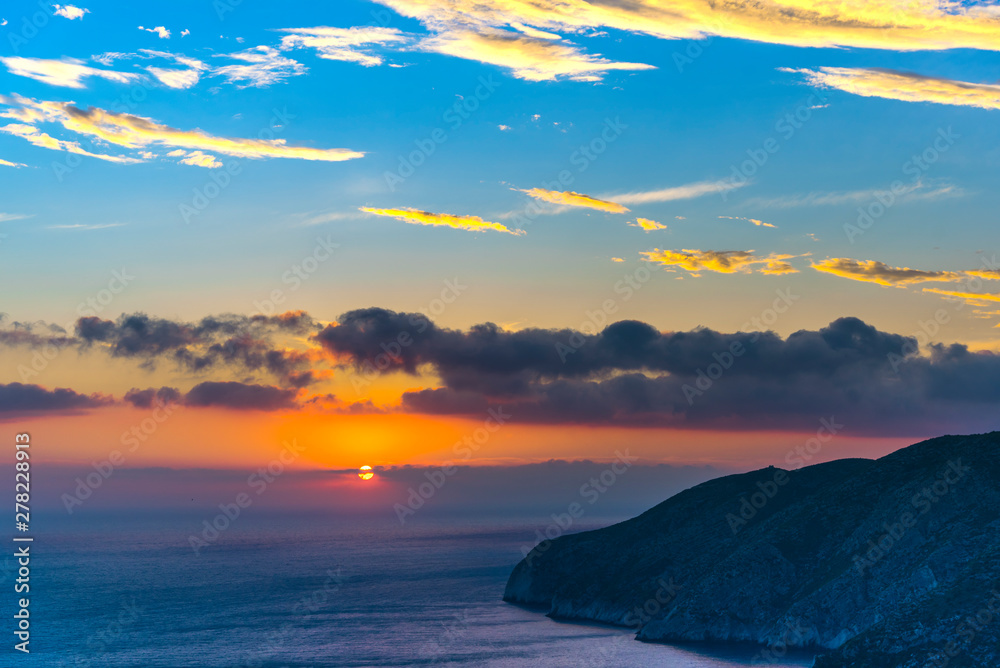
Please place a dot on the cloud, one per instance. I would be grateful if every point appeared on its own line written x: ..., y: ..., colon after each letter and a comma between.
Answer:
x: 162, y: 32
x: 974, y: 298
x: 34, y: 335
x: 758, y: 223
x: 240, y: 396
x: 80, y: 226
x: 628, y: 374
x: 196, y: 158
x: 38, y: 138
x: 647, y: 225
x: 528, y: 57
x: 873, y: 271
x: 8, y: 163
x: 264, y: 66
x: 723, y: 262
x: 920, y: 190
x: 343, y: 43
x: 570, y: 198
x: 689, y: 191
x: 905, y: 86
x: 146, y: 398
x: 930, y: 25
x: 172, y: 78
x: 137, y: 132
x: 416, y: 217
x: 236, y: 342
x: 632, y: 374
x: 67, y: 73
x: 69, y: 12
x: 17, y: 399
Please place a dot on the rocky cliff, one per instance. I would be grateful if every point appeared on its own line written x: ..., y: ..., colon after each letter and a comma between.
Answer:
x: 893, y: 562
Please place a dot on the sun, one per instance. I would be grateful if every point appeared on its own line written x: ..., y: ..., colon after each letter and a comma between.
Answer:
x: 365, y: 473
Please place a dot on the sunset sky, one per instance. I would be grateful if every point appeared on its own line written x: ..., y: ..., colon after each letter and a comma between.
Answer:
x: 374, y: 227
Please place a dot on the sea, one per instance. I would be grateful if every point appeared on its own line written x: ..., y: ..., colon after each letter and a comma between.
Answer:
x: 298, y: 590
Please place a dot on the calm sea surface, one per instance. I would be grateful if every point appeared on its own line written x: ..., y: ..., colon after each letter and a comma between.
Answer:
x: 277, y: 591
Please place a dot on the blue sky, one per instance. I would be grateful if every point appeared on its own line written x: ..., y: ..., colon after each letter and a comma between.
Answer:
x: 304, y: 114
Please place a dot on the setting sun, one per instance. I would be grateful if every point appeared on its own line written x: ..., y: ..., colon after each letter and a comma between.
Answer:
x: 365, y: 473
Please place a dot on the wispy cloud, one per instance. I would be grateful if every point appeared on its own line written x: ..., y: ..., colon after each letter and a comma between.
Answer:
x: 968, y: 297
x: 38, y: 138
x: 80, y: 226
x: 755, y: 221
x: 722, y: 262
x: 67, y: 73
x: 873, y: 271
x: 648, y: 225
x: 417, y: 217
x: 8, y: 163
x: 263, y: 67
x: 928, y: 25
x: 347, y: 44
x: 920, y: 191
x: 905, y: 86
x: 180, y: 79
x: 689, y: 191
x: 196, y: 158
x: 527, y: 57
x: 138, y: 133
x: 570, y: 198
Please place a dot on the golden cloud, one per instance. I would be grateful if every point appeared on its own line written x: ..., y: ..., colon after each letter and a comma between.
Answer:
x: 570, y: 198
x: 417, y: 217
x: 872, y: 271
x: 722, y: 262
x: 648, y: 225
x: 137, y: 132
x: 528, y: 56
x: 38, y: 138
x: 870, y: 24
x: 905, y: 86
x: 758, y: 223
x: 969, y: 297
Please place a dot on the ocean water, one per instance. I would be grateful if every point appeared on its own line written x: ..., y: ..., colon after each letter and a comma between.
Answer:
x: 304, y: 591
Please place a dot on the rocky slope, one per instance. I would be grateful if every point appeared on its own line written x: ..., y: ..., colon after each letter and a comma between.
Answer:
x: 893, y: 562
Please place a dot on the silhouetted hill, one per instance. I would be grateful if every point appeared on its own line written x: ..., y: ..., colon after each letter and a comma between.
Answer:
x: 884, y: 563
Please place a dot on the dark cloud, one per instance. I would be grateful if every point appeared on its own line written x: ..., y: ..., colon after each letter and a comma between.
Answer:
x: 18, y: 398
x: 235, y: 340
x: 627, y: 373
x: 32, y: 334
x: 240, y: 396
x: 146, y: 398
x: 631, y: 374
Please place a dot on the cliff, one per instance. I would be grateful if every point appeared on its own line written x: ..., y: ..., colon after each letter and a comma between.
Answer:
x: 893, y: 562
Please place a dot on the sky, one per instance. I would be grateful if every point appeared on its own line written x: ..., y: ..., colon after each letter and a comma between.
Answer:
x: 382, y: 229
